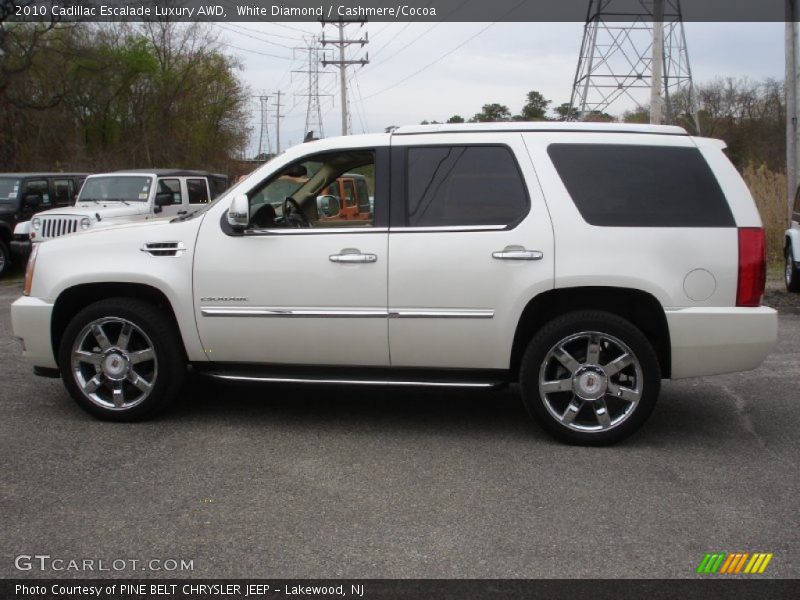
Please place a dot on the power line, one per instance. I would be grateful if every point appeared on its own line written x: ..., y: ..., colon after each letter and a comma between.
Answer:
x: 226, y: 44
x: 430, y: 64
x: 253, y: 37
x: 421, y: 35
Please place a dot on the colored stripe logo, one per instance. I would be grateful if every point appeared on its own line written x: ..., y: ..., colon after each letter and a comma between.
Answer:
x: 734, y: 563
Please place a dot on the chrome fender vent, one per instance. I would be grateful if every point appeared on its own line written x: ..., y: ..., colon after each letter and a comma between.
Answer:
x: 164, y: 248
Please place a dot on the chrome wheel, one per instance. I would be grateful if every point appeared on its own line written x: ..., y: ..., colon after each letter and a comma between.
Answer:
x: 789, y: 271
x: 114, y: 375
x: 590, y: 381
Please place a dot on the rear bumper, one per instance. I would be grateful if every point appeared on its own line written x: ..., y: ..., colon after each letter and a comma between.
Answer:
x: 30, y: 321
x: 710, y: 341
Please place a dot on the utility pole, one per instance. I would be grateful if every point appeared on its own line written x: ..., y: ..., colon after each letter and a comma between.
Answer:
x: 314, y: 108
x: 278, y: 118
x: 342, y: 42
x: 792, y: 90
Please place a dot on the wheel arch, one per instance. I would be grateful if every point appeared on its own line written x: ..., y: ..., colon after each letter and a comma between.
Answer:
x: 73, y: 299
x: 639, y: 307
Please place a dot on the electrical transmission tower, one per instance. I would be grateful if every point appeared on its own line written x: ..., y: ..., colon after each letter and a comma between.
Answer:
x: 278, y: 116
x: 342, y: 63
x: 314, y: 109
x: 634, y: 50
x: 263, y: 135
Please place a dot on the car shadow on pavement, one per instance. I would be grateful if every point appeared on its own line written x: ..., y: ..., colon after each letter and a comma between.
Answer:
x: 679, y: 417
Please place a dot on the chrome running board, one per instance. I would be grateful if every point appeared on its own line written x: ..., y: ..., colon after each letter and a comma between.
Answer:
x: 372, y: 382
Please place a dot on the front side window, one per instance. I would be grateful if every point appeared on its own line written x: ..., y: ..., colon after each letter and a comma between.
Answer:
x: 37, y: 188
x: 464, y: 186
x: 9, y: 189
x: 172, y: 186
x: 115, y: 188
x: 197, y: 190
x: 310, y: 190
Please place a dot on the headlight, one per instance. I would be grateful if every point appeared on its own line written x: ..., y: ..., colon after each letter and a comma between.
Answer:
x: 26, y: 291
x: 86, y: 222
x: 36, y: 223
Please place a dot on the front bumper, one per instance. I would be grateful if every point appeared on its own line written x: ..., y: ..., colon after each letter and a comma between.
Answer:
x: 712, y: 340
x: 30, y: 321
x: 21, y: 247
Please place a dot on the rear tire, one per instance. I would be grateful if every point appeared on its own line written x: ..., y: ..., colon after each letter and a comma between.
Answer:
x: 590, y: 378
x: 121, y: 359
x: 792, y: 273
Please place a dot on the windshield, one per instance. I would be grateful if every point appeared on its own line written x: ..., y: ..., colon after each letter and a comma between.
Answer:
x: 116, y: 189
x: 9, y: 189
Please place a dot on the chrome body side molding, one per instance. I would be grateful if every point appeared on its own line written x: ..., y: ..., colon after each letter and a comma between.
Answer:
x: 366, y: 313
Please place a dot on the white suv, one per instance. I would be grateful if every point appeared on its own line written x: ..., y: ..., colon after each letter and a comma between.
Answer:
x: 125, y: 196
x: 585, y: 261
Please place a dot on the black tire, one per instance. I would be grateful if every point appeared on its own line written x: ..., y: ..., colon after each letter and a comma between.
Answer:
x: 156, y: 332
x: 792, y: 273
x: 571, y: 329
x: 5, y: 258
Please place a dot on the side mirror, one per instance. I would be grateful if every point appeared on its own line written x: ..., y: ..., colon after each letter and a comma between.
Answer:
x: 163, y: 199
x: 239, y: 212
x: 327, y: 206
x: 33, y: 201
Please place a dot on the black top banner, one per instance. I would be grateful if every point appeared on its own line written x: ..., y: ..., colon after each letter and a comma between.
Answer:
x: 400, y: 10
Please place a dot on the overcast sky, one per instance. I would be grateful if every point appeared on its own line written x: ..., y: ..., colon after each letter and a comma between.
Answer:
x: 501, y: 65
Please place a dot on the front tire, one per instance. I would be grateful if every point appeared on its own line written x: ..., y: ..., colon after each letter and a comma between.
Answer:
x: 121, y: 360
x: 5, y: 258
x: 590, y: 378
x: 792, y: 273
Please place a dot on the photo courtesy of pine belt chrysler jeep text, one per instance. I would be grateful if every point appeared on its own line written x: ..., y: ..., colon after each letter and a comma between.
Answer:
x: 587, y: 262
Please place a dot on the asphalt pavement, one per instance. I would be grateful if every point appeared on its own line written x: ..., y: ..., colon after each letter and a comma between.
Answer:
x: 293, y: 482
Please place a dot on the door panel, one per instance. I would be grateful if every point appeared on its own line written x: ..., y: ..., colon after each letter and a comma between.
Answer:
x: 280, y: 299
x: 304, y: 296
x: 454, y: 297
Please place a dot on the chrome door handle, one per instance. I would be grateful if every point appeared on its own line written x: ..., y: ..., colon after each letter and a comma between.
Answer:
x: 517, y: 253
x: 353, y: 258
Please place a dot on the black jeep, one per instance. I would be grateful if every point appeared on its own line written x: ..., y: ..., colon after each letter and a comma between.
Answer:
x: 24, y: 194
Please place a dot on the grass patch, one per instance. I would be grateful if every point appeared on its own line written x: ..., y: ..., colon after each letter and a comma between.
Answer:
x: 769, y: 192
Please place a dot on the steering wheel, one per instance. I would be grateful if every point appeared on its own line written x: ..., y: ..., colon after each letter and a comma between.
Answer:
x: 293, y: 215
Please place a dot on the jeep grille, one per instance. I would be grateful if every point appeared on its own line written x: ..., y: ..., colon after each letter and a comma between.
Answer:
x: 53, y: 227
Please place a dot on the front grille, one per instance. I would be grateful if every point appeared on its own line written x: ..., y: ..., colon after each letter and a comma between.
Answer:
x: 53, y: 227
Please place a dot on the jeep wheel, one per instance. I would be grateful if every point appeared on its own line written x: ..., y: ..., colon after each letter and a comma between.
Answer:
x: 590, y: 377
x: 120, y: 359
x: 5, y: 258
x: 792, y: 273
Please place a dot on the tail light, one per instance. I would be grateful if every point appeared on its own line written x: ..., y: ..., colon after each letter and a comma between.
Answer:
x: 752, y: 266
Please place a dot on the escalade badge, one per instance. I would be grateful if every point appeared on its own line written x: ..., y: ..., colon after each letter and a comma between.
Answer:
x: 224, y: 299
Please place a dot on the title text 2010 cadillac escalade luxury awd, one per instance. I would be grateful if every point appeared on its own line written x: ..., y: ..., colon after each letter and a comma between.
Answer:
x: 585, y: 261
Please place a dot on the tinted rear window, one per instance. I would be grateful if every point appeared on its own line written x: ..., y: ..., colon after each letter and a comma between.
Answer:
x: 641, y: 186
